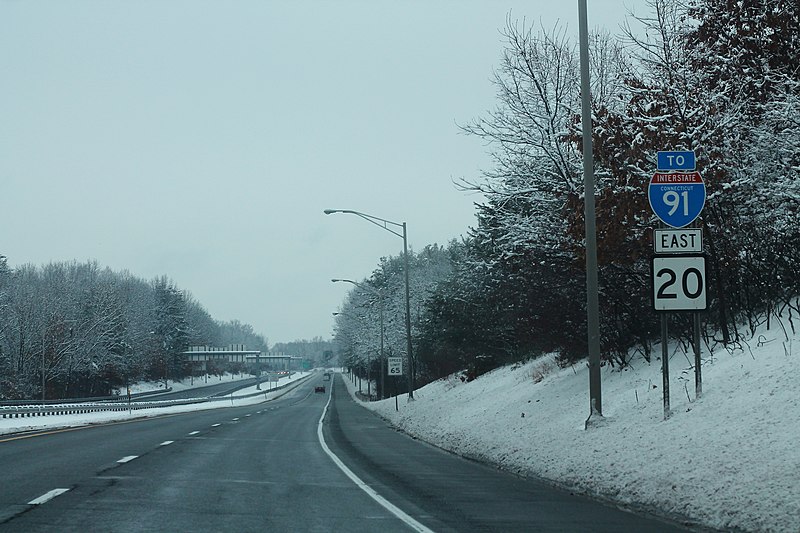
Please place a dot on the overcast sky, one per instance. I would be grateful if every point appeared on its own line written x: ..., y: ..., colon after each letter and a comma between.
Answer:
x: 202, y: 140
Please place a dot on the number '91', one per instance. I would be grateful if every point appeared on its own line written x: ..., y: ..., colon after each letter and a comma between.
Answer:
x: 673, y: 200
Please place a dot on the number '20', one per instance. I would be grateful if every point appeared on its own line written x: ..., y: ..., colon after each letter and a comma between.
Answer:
x: 687, y: 275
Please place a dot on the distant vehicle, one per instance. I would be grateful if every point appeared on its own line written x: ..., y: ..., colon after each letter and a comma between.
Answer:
x: 319, y: 388
x: 326, y: 376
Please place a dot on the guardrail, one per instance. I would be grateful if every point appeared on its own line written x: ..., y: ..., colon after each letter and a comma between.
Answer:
x: 112, y: 398
x: 22, y: 411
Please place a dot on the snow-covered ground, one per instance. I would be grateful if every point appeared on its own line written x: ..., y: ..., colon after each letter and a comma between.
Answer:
x: 15, y: 425
x: 199, y: 381
x: 730, y: 460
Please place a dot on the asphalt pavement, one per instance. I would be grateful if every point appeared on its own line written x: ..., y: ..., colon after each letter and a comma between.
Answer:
x: 450, y: 493
x: 263, y: 468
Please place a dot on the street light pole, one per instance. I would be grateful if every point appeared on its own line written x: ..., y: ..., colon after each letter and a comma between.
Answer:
x: 380, y: 298
x: 411, y: 364
x: 383, y: 223
x: 592, y: 295
x: 354, y: 344
x: 43, y: 368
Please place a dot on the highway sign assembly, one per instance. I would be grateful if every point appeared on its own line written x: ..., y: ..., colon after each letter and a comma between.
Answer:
x: 394, y: 366
x: 679, y: 283
x: 677, y: 195
x: 678, y: 241
x: 677, y: 198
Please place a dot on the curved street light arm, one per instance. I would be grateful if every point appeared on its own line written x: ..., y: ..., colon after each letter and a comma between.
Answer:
x: 362, y: 286
x: 380, y: 222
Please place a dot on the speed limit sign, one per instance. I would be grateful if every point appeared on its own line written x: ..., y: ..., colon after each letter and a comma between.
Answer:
x: 679, y: 283
x: 394, y: 366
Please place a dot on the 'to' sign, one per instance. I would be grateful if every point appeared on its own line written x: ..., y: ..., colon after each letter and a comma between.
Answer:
x: 672, y: 161
x: 677, y: 198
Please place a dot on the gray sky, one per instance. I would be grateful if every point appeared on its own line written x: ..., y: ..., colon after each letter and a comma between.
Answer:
x: 202, y: 139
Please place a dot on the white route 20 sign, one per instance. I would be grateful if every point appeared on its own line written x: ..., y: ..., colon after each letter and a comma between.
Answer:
x: 679, y: 283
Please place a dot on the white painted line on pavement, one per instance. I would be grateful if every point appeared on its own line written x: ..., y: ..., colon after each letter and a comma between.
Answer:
x: 235, y: 419
x: 127, y: 458
x: 47, y: 496
x: 194, y: 433
x: 166, y: 443
x: 215, y: 425
x: 389, y: 506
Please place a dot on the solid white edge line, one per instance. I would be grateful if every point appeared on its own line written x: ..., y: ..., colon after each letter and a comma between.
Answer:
x: 386, y: 504
x: 127, y: 458
x: 47, y: 496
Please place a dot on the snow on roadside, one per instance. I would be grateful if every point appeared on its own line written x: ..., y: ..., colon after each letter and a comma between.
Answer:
x: 200, y: 381
x: 728, y: 460
x: 18, y: 425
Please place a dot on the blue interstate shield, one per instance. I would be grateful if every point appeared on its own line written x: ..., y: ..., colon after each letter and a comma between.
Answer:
x: 677, y: 198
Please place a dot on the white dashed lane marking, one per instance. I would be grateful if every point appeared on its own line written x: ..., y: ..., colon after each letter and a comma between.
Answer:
x: 215, y: 425
x: 166, y: 443
x: 194, y: 433
x: 47, y: 496
x: 127, y: 458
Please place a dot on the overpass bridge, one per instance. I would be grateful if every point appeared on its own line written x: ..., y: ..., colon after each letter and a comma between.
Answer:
x: 238, y: 353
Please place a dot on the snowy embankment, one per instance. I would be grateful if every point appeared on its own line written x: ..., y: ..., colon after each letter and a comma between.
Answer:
x: 730, y: 460
x: 200, y: 381
x: 16, y: 425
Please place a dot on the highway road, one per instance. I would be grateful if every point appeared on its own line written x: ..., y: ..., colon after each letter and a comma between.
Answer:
x: 273, y: 467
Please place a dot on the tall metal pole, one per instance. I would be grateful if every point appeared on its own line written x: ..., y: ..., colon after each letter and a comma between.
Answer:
x: 383, y: 359
x: 592, y: 298
x: 43, y: 369
x: 408, y: 318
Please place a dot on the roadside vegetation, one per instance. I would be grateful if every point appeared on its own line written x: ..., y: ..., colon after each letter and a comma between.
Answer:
x: 719, y: 78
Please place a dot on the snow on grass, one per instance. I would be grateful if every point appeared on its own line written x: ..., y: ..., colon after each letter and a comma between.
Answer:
x: 728, y: 460
x: 199, y: 381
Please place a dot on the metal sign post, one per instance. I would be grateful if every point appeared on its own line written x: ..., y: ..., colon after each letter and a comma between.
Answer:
x: 394, y: 367
x: 698, y: 377
x: 665, y: 365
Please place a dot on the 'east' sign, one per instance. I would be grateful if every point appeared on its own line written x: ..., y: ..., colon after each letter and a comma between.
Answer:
x: 678, y: 241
